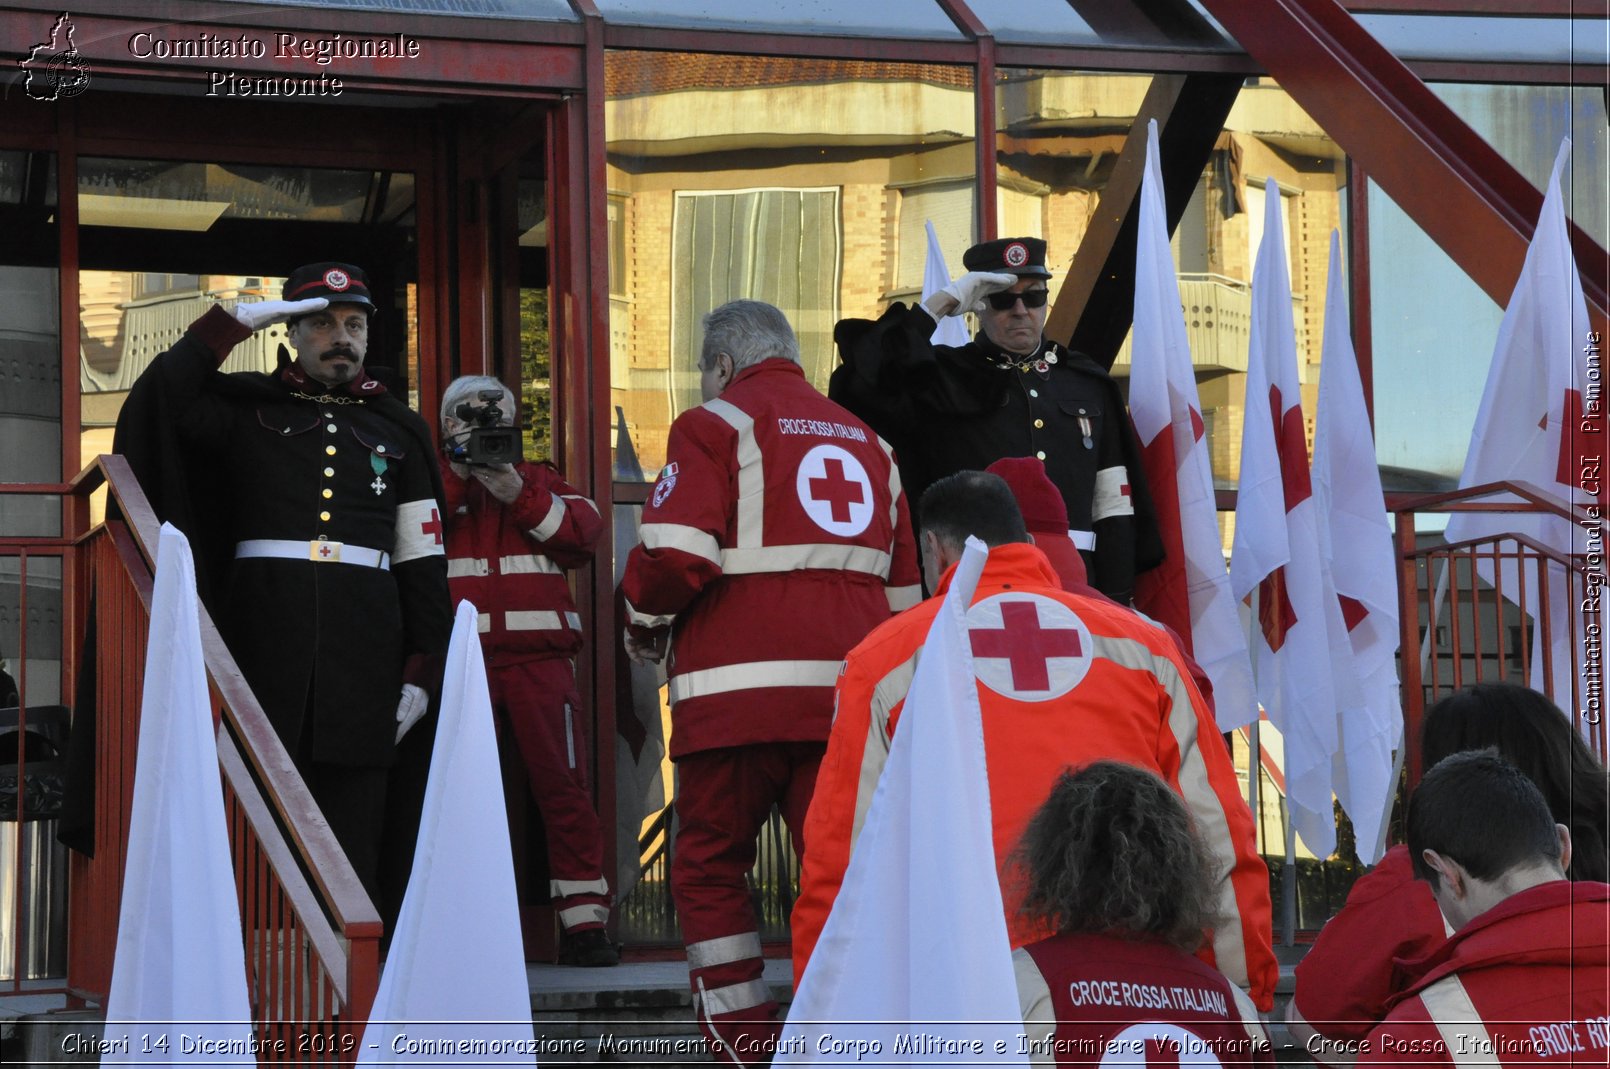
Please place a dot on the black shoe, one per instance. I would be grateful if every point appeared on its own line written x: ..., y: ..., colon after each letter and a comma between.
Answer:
x: 590, y: 948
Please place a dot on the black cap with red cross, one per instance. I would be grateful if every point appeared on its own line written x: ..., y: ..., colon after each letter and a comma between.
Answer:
x: 339, y: 283
x: 1024, y: 257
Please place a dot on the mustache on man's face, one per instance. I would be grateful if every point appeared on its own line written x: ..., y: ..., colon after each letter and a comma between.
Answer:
x: 338, y: 352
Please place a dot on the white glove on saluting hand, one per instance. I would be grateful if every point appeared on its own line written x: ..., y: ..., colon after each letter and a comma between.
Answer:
x: 970, y: 290
x: 266, y: 313
x: 413, y: 705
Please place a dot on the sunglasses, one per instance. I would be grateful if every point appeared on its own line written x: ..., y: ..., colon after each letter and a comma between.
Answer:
x: 1030, y: 298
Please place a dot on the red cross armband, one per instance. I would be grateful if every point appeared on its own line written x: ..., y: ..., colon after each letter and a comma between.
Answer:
x: 419, y: 531
x: 1112, y: 494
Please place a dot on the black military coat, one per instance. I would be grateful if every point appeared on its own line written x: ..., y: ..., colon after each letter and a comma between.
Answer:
x: 946, y: 409
x: 325, y: 644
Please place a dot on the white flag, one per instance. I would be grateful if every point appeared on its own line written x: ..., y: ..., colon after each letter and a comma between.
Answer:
x: 1190, y: 590
x: 456, y: 971
x: 1529, y: 426
x: 180, y: 967
x: 935, y: 277
x: 1276, y: 548
x: 914, y: 961
x: 1355, y: 539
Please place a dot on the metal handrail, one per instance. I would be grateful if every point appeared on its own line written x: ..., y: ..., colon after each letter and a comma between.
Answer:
x: 1477, y: 618
x: 276, y: 829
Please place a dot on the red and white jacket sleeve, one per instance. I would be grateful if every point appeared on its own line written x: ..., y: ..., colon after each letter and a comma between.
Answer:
x: 559, y: 520
x: 685, y: 523
x: 904, y: 585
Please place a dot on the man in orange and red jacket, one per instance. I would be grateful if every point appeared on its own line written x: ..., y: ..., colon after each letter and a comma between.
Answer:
x: 1063, y: 680
x: 512, y: 530
x: 776, y: 537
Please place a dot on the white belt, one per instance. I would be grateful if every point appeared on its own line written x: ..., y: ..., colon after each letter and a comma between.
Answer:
x: 316, y: 549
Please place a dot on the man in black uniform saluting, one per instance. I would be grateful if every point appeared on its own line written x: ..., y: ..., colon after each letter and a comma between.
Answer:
x: 322, y: 492
x: 1010, y: 392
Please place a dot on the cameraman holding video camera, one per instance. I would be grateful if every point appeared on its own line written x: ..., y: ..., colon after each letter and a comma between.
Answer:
x: 513, y: 527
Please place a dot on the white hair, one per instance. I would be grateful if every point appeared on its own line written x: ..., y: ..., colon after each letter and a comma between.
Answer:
x: 469, y: 387
x: 749, y: 332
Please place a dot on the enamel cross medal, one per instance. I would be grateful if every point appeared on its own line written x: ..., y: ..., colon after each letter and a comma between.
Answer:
x: 379, y: 464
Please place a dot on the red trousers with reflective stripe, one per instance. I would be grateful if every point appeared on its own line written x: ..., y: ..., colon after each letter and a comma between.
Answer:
x: 537, y: 703
x: 724, y: 797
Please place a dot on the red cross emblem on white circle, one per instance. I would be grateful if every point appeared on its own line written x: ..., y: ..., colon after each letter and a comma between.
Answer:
x: 1017, y: 254
x: 835, y: 490
x: 336, y: 279
x: 1027, y: 646
x: 1156, y: 1045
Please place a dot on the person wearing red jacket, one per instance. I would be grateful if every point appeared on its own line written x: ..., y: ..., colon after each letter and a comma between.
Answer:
x: 1063, y: 680
x: 1522, y: 979
x: 775, y: 538
x: 511, y: 531
x: 1112, y: 865
x: 1358, y: 961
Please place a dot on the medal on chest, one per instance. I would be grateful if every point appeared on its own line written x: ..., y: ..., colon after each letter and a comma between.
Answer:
x: 1087, y: 430
x: 378, y: 463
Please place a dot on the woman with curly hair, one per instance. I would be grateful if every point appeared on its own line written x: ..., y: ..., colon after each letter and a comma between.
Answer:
x: 1352, y: 970
x: 1110, y: 861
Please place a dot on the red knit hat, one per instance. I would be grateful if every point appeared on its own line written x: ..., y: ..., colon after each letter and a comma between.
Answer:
x: 1037, y: 496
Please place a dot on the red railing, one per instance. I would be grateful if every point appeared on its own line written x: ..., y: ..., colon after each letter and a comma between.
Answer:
x: 1461, y: 612
x: 310, y: 933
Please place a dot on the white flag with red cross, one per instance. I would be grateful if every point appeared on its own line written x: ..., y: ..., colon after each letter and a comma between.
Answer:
x: 1355, y: 542
x: 1190, y: 590
x: 1276, y: 549
x: 1539, y: 419
x: 916, y: 944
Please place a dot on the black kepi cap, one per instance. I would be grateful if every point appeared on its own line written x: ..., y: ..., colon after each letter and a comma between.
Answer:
x: 340, y: 283
x: 1024, y: 257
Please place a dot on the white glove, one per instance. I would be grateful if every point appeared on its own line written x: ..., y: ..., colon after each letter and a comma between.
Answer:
x: 413, y: 705
x: 262, y: 314
x: 970, y: 290
x: 647, y: 652
x: 500, y: 480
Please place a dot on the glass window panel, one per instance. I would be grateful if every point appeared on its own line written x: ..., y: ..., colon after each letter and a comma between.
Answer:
x: 1511, y: 40
x: 185, y: 195
x: 1526, y: 124
x: 890, y: 18
x: 784, y: 185
x: 30, y: 343
x: 1056, y: 22
x: 540, y: 10
x: 1432, y: 357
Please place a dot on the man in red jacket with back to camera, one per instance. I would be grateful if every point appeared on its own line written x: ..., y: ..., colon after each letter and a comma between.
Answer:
x: 513, y: 527
x: 776, y: 538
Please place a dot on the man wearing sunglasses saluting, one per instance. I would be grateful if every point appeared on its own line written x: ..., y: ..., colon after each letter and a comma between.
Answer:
x: 1010, y: 392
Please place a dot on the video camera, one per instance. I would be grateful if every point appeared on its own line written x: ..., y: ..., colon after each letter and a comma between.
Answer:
x: 486, y: 442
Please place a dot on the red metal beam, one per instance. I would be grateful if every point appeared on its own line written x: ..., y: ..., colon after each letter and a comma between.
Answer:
x: 1477, y: 207
x: 1516, y: 8
x: 983, y: 116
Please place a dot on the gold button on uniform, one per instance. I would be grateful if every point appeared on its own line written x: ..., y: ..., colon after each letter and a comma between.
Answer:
x: 329, y: 450
x: 328, y: 493
x: 1037, y: 423
x: 328, y: 472
x: 325, y: 516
